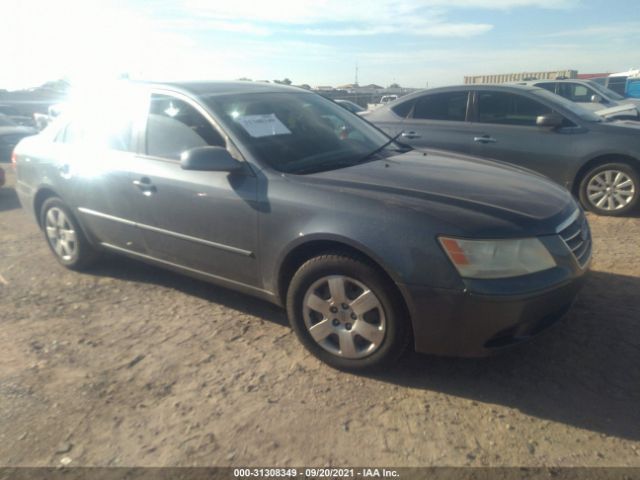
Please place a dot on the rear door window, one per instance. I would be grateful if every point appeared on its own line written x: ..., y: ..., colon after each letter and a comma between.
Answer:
x: 114, y: 134
x: 449, y: 106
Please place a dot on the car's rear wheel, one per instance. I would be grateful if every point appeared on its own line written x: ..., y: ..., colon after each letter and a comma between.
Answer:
x: 610, y: 189
x: 346, y: 312
x: 64, y: 236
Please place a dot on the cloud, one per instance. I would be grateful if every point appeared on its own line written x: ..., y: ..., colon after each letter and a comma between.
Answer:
x: 431, y: 30
x: 305, y: 12
x: 177, y: 38
x: 355, y: 17
x: 616, y: 30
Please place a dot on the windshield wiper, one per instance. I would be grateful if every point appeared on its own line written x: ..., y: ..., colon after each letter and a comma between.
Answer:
x: 345, y: 162
x: 381, y: 147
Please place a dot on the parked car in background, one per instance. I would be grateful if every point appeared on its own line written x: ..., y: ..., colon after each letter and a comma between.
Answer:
x: 282, y: 194
x: 597, y: 160
x: 388, y: 99
x: 349, y: 105
x: 16, y: 117
x: 590, y: 95
x: 626, y: 83
x: 10, y: 135
x: 384, y: 100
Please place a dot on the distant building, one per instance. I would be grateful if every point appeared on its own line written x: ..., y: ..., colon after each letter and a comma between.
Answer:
x: 587, y: 76
x: 520, y: 76
x: 348, y: 87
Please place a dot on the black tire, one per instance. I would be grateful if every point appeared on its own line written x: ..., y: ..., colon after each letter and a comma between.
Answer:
x: 396, y: 322
x: 624, y: 168
x: 83, y: 254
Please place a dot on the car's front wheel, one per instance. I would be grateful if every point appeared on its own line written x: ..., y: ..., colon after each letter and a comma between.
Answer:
x: 346, y: 312
x: 64, y: 236
x: 610, y: 189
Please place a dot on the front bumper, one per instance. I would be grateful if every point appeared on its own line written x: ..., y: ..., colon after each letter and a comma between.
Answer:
x: 489, y: 315
x: 468, y: 325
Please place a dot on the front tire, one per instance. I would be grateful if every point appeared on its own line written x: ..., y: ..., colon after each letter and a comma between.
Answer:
x: 347, y: 313
x: 610, y: 189
x: 65, y: 237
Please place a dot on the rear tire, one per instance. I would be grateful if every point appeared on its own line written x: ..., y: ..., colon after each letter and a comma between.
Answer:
x: 65, y: 237
x: 611, y: 189
x: 347, y: 313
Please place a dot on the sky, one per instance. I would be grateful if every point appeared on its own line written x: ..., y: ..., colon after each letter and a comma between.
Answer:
x: 416, y: 43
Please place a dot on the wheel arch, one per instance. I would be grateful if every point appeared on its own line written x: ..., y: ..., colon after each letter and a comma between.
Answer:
x: 601, y: 160
x: 302, y: 251
x: 42, y: 195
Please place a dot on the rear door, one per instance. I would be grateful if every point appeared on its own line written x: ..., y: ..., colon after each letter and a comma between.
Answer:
x: 206, y: 221
x: 94, y: 154
x: 505, y: 129
x: 438, y: 120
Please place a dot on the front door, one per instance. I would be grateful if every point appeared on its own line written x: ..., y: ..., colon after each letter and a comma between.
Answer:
x: 505, y: 129
x: 205, y: 221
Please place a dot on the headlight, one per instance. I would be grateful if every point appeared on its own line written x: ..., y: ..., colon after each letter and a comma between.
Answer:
x: 497, y: 258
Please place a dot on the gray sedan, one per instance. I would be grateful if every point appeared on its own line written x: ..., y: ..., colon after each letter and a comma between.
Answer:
x: 597, y: 160
x: 282, y: 194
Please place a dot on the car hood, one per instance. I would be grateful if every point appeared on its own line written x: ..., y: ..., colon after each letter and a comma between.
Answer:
x: 621, y: 109
x: 473, y: 195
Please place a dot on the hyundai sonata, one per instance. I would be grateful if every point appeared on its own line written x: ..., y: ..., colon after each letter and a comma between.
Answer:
x: 282, y: 194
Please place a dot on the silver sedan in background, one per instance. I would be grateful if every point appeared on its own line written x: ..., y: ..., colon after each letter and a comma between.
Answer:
x: 598, y: 160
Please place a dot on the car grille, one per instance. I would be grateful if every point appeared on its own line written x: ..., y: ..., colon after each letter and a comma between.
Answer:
x: 577, y: 236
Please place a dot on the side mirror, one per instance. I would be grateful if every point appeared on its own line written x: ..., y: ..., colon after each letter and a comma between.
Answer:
x: 211, y: 159
x: 552, y: 120
x: 596, y: 99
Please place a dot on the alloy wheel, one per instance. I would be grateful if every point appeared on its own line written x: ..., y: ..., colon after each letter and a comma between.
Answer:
x: 61, y: 234
x: 610, y: 190
x: 344, y: 316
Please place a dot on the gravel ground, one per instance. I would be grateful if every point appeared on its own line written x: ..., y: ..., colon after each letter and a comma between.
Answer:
x: 132, y: 365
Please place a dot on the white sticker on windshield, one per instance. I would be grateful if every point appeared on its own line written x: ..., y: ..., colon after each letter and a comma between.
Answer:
x: 263, y: 125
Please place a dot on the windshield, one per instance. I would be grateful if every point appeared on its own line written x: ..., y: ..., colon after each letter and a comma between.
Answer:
x: 300, y: 132
x: 573, y: 107
x: 607, y: 92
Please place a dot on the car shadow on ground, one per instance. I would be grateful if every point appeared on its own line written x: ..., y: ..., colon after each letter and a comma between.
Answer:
x: 123, y: 268
x: 584, y: 372
x: 8, y: 199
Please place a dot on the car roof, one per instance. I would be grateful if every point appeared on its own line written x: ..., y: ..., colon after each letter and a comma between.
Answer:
x: 548, y: 80
x: 470, y: 86
x: 215, y: 88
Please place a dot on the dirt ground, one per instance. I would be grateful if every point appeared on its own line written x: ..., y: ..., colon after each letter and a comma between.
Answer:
x: 132, y: 365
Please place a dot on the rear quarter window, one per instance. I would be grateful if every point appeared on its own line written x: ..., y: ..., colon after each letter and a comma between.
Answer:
x: 403, y: 109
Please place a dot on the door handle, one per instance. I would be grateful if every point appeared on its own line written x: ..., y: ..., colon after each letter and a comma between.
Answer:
x: 484, y: 139
x: 410, y: 135
x: 145, y: 185
x: 64, y: 170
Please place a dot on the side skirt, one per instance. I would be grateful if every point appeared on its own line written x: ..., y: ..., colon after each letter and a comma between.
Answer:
x: 199, y: 274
